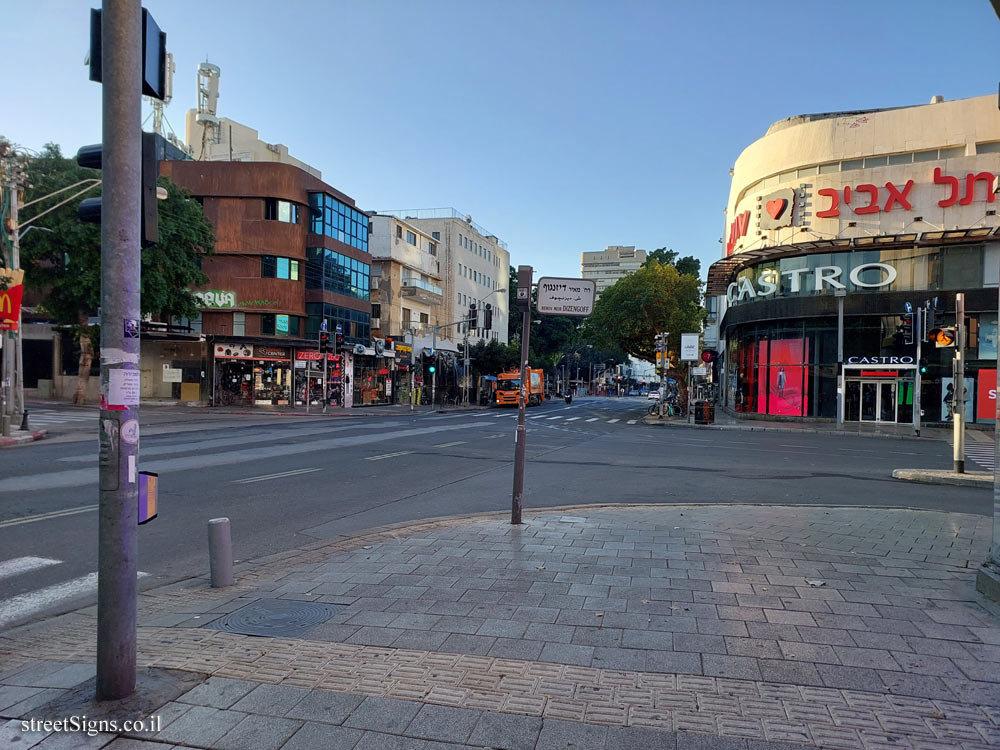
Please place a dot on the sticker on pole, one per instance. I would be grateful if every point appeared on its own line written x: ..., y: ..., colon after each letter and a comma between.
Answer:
x: 565, y: 296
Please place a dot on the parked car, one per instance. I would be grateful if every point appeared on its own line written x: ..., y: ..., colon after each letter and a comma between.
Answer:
x: 633, y: 393
x: 653, y: 396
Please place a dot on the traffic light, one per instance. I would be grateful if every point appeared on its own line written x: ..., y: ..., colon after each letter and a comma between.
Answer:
x: 907, y: 328
x: 488, y: 318
x: 429, y: 360
x: 324, y: 341
x: 473, y: 321
x: 943, y: 337
x: 923, y: 366
x: 338, y: 345
x: 89, y: 211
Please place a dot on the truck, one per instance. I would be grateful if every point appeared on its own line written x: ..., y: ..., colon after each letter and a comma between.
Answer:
x: 509, y: 383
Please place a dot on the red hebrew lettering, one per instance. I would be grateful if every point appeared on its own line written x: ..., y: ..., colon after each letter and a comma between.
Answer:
x: 834, y: 209
x: 847, y: 194
x: 946, y: 180
x: 737, y: 229
x: 895, y: 196
x: 873, y: 206
x: 970, y: 187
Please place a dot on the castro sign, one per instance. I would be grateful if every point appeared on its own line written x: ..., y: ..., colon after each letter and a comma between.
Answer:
x: 816, y: 279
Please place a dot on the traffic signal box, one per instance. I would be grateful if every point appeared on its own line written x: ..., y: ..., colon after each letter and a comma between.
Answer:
x: 324, y: 342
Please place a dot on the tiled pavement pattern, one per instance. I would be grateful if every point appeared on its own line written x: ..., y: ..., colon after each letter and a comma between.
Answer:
x: 710, y: 627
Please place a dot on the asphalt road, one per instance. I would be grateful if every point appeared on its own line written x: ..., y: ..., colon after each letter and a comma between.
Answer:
x: 285, y: 481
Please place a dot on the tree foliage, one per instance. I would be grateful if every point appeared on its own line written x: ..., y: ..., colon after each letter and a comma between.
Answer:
x: 687, y: 265
x: 654, y: 299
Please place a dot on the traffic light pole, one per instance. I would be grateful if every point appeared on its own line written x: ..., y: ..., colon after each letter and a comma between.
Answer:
x: 524, y: 276
x: 919, y: 331
x: 958, y: 401
x: 121, y: 63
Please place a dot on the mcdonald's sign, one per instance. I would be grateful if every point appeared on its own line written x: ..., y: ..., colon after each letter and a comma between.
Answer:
x: 10, y: 298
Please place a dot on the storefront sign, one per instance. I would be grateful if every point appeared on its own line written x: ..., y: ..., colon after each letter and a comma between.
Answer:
x: 986, y: 397
x: 233, y: 351
x: 777, y: 209
x: 259, y: 303
x: 737, y: 230
x: 270, y: 352
x: 10, y: 298
x: 215, y: 298
x: 281, y: 324
x: 867, y: 198
x: 880, y: 360
x: 311, y: 356
x: 823, y: 277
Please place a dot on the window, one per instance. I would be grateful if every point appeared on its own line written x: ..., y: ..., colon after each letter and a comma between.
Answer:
x: 279, y: 325
x: 406, y: 317
x: 239, y: 324
x: 425, y: 319
x: 399, y: 231
x: 432, y: 248
x: 332, y: 218
x: 459, y: 269
x: 376, y: 310
x: 286, y: 211
x: 411, y: 238
x: 334, y: 272
x: 272, y: 267
x: 436, y: 235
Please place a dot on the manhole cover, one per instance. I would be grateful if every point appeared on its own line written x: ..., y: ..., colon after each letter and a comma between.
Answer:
x: 275, y: 618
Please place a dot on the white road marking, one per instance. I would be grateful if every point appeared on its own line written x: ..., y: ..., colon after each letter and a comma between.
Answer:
x: 632, y: 421
x: 32, y: 602
x: 593, y: 419
x: 557, y: 416
x: 449, y: 445
x: 46, y: 516
x: 572, y: 419
x: 279, y: 475
x: 10, y: 568
x: 388, y: 455
x: 612, y: 421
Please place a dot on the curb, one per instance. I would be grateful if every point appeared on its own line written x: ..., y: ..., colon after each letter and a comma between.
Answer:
x: 940, y: 476
x: 656, y: 422
x: 27, y: 437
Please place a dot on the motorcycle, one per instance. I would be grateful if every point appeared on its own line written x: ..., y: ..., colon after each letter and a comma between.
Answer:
x: 569, y: 398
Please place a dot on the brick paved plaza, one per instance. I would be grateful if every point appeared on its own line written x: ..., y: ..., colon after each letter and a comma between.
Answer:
x: 659, y: 627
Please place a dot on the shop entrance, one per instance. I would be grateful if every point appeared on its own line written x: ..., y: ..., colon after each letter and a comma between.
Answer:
x: 878, y: 396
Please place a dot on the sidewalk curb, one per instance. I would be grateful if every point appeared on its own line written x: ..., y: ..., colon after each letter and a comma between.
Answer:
x: 27, y: 437
x: 656, y: 422
x: 980, y: 479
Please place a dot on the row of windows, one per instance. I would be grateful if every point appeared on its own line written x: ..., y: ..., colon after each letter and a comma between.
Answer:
x: 334, y: 272
x: 411, y: 238
x: 481, y: 250
x: 273, y: 267
x: 334, y: 219
x: 476, y: 276
x: 276, y: 210
x: 355, y: 325
x: 868, y: 162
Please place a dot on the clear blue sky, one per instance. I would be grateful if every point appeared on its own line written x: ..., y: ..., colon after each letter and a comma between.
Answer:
x: 560, y: 126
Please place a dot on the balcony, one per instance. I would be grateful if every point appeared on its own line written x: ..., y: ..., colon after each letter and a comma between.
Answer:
x: 422, y: 291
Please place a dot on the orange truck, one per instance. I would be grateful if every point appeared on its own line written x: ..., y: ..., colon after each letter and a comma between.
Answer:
x: 509, y: 383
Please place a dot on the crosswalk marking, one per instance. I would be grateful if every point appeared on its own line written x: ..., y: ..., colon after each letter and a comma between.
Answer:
x: 557, y: 416
x: 572, y: 419
x: 612, y: 421
x: 981, y: 454
x: 388, y: 455
x: 593, y: 419
x: 632, y: 421
x: 451, y: 445
x: 279, y: 475
x: 10, y: 568
x: 30, y: 603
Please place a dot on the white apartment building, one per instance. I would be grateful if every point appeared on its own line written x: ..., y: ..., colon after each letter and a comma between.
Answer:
x: 407, y: 291
x: 228, y: 140
x: 607, y: 266
x: 474, y: 268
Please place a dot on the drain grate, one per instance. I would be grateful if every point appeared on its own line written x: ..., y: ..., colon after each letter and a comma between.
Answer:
x: 275, y: 618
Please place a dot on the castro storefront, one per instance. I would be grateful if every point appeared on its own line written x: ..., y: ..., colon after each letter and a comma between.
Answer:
x: 860, y: 214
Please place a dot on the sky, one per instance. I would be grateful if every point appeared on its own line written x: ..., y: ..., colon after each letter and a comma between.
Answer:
x: 561, y: 127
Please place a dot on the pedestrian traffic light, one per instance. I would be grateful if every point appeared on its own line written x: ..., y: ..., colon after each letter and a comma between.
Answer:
x: 488, y: 318
x: 324, y: 341
x: 907, y: 328
x: 338, y: 345
x: 943, y: 337
x: 90, y: 208
x: 923, y: 366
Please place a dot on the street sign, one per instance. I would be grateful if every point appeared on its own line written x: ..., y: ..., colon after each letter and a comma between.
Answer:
x: 699, y: 371
x: 908, y: 307
x: 689, y: 347
x: 340, y: 328
x: 557, y: 296
x: 323, y: 327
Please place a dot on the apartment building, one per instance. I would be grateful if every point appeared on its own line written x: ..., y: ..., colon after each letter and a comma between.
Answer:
x: 607, y: 266
x: 474, y: 268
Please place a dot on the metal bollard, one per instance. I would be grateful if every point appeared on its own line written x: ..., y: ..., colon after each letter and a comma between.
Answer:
x: 24, y: 420
x: 220, y: 552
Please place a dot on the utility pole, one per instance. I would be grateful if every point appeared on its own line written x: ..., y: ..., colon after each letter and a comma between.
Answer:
x: 841, y: 384
x: 958, y: 402
x: 121, y: 65
x: 988, y: 576
x: 524, y: 277
x: 465, y: 371
x: 413, y: 362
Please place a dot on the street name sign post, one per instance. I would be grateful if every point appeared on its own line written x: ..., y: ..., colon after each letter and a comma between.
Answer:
x: 557, y: 296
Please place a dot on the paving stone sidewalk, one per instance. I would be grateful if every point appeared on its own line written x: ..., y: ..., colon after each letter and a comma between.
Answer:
x: 661, y: 627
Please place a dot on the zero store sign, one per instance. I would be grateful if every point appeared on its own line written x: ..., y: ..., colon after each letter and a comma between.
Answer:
x: 565, y: 296
x: 823, y: 277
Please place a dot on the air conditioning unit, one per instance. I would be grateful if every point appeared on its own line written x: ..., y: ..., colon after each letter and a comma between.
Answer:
x: 374, y: 282
x: 376, y: 322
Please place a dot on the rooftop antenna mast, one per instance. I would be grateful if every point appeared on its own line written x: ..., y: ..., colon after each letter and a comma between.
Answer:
x: 208, y: 99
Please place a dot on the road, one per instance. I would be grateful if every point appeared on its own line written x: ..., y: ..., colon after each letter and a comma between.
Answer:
x: 286, y: 481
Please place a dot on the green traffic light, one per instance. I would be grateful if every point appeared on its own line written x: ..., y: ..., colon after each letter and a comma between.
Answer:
x: 432, y: 369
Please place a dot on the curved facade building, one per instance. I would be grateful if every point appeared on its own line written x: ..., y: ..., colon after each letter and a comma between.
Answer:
x: 877, y: 212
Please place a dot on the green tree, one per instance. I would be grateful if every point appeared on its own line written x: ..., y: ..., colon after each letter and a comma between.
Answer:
x: 64, y: 265
x: 689, y: 264
x: 653, y: 299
